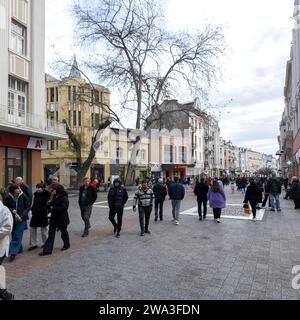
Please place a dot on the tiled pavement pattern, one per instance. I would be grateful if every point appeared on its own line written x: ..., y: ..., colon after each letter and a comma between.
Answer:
x: 196, y: 260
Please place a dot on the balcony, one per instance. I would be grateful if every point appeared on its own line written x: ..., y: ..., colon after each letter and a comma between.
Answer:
x: 31, y: 124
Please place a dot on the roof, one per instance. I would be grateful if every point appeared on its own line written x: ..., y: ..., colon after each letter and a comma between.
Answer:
x: 49, y: 78
x: 75, y: 73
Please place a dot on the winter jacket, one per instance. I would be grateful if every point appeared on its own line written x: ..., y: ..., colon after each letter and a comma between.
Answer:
x: 201, y: 191
x: 176, y: 191
x: 90, y: 198
x: 160, y: 192
x: 273, y: 186
x: 217, y: 200
x: 59, y: 211
x: 117, y: 197
x: 6, y: 226
x: 295, y: 190
x: 253, y: 194
x: 143, y: 198
x: 20, y: 204
x: 39, y: 209
x: 27, y: 191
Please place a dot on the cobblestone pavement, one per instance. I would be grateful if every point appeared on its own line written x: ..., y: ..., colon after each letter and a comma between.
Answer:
x: 237, y: 259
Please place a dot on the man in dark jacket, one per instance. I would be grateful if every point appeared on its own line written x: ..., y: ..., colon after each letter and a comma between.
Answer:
x: 176, y: 193
x: 295, y: 192
x: 274, y: 190
x: 117, y: 197
x: 201, y: 191
x: 19, y: 206
x: 87, y: 197
x: 160, y: 191
x: 253, y: 196
x: 25, y: 188
x: 59, y: 219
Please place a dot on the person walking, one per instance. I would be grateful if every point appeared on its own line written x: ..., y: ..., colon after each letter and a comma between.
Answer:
x: 39, y: 218
x: 87, y: 197
x: 274, y: 191
x: 144, y: 199
x: 6, y: 227
x: 176, y: 193
x: 160, y: 191
x: 59, y: 219
x: 217, y: 200
x: 19, y: 206
x: 295, y: 192
x: 253, y: 195
x: 117, y: 198
x: 201, y: 191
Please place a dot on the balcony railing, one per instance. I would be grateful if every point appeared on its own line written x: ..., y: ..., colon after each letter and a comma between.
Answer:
x: 30, y: 122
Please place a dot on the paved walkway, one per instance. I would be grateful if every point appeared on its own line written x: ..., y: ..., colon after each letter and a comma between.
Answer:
x: 237, y: 259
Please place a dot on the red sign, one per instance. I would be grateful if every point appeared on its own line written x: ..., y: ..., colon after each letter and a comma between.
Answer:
x: 14, y: 140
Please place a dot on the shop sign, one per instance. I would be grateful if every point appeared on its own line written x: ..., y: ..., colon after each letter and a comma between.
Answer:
x: 155, y: 167
x: 37, y: 144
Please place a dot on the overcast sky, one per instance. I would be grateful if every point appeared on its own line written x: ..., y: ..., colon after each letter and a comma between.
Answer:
x: 258, y: 36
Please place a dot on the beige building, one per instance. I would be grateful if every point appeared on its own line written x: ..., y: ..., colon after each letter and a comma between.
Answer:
x: 254, y: 161
x: 24, y: 127
x: 83, y: 106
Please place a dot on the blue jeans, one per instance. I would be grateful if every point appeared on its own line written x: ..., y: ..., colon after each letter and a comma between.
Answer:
x: 274, y: 198
x: 17, y: 236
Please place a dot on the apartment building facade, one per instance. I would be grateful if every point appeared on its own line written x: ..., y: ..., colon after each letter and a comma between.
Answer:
x: 24, y: 127
x: 83, y: 106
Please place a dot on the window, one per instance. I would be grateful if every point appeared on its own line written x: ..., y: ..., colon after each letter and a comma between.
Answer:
x: 168, y: 153
x: 52, y: 95
x: 143, y: 154
x: 74, y: 118
x: 96, y: 97
x: 17, y: 97
x: 119, y: 153
x: 182, y: 154
x: 69, y: 117
x: 69, y: 93
x: 74, y: 93
x: 79, y: 118
x: 18, y: 38
x: 56, y: 90
x: 97, y: 120
x: 11, y: 103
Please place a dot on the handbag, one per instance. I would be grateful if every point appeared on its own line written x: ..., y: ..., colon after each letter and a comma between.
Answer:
x: 247, y: 209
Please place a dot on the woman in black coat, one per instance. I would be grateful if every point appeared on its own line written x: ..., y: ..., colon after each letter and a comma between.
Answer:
x: 59, y: 220
x: 39, y: 218
x: 253, y: 196
x: 295, y: 192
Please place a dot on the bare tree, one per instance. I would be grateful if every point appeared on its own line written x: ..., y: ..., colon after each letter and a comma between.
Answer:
x: 86, y: 94
x: 141, y: 57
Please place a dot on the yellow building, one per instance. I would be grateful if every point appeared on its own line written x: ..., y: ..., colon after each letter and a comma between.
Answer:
x: 83, y: 106
x: 254, y: 160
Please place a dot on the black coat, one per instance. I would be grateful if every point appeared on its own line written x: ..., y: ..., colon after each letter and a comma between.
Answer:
x: 40, y: 209
x: 295, y: 190
x: 117, y: 197
x: 91, y: 196
x: 160, y: 191
x: 253, y: 194
x: 59, y: 211
x: 27, y: 191
x: 201, y: 191
x: 273, y: 186
x: 22, y: 205
x: 176, y: 191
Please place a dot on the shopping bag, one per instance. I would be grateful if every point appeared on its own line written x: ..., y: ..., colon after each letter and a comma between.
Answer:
x: 247, y: 209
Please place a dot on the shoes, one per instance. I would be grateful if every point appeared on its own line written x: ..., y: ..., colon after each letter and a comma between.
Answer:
x: 84, y: 235
x: 148, y: 231
x: 218, y: 220
x: 155, y: 220
x: 279, y: 210
x: 161, y: 219
x: 204, y: 217
x: 32, y: 248
x: 176, y: 223
x: 272, y: 209
x: 65, y: 248
x: 142, y: 233
x: 200, y: 218
x: 45, y: 254
x: 5, y: 295
x: 118, y: 235
x: 254, y: 219
x: 12, y: 258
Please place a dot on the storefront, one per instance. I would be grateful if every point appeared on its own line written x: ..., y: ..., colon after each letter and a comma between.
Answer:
x: 20, y: 155
x: 173, y: 170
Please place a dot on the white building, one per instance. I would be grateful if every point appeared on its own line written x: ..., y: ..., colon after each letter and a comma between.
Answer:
x: 24, y: 129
